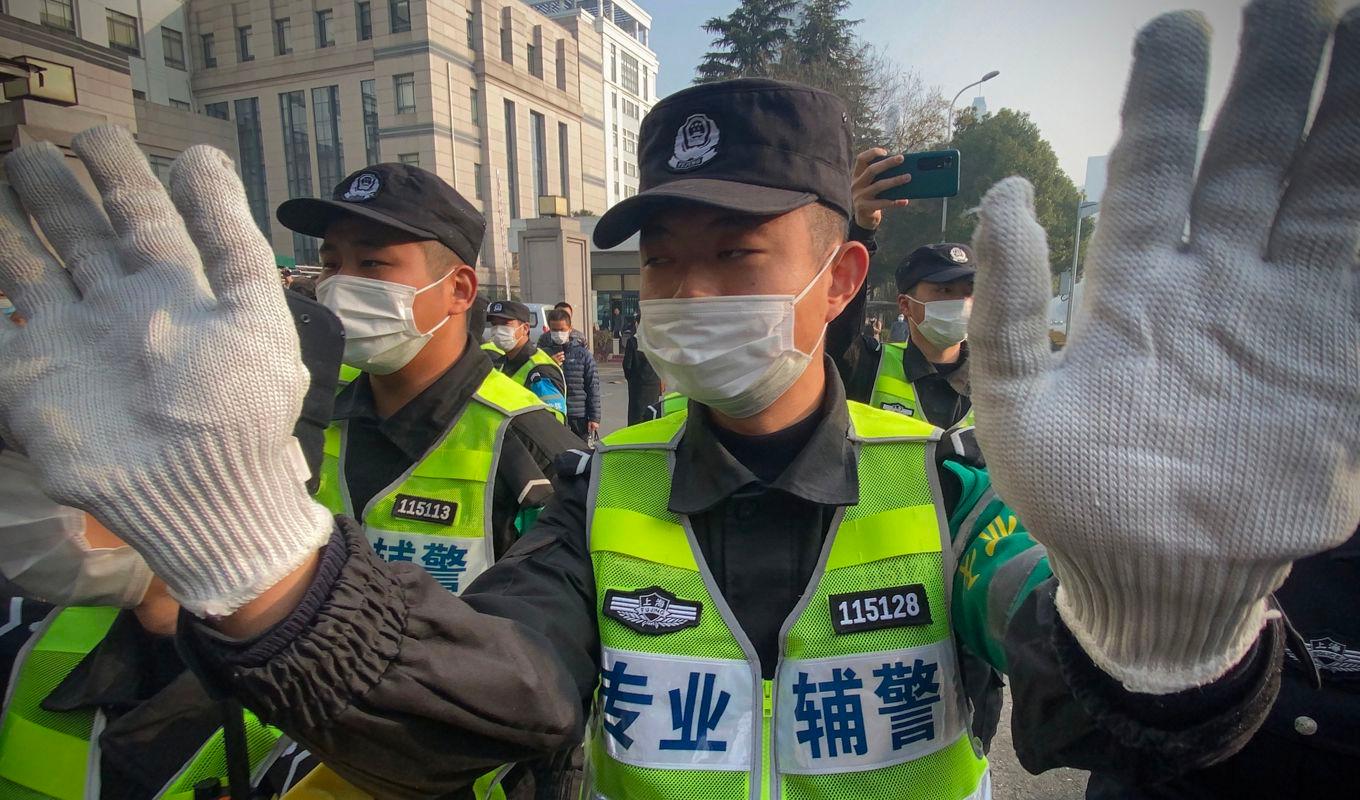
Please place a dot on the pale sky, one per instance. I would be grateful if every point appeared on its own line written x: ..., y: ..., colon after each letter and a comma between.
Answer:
x: 1063, y: 61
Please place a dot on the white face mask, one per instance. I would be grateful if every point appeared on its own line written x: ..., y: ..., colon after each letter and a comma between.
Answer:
x: 946, y: 321
x: 381, y: 335
x: 45, y: 553
x: 735, y: 354
x: 503, y: 336
x: 561, y: 337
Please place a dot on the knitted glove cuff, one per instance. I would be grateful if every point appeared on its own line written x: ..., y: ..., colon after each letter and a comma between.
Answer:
x: 1163, y: 626
x: 222, y: 530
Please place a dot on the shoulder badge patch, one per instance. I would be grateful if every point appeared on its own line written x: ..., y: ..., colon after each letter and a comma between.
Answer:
x: 696, y: 143
x: 365, y: 186
x: 899, y: 409
x: 652, y: 611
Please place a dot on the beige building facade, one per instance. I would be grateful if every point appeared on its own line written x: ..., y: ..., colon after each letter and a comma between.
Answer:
x: 493, y: 97
x: 122, y: 68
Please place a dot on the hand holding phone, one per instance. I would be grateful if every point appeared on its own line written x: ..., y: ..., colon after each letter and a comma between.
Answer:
x: 931, y: 174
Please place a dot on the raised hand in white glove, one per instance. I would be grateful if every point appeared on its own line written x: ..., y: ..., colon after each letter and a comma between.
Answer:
x: 1202, y: 430
x: 158, y: 379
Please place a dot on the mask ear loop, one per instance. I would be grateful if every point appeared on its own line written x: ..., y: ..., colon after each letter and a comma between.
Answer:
x: 831, y: 259
x: 442, y: 322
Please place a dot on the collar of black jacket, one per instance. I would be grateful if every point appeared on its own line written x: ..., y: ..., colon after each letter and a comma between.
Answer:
x: 824, y: 472
x: 417, y: 424
x: 917, y: 366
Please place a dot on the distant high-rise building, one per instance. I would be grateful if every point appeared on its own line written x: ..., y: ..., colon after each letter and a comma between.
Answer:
x: 499, y: 100
x: 628, y: 70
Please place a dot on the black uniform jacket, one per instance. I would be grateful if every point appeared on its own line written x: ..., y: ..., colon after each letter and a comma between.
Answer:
x: 412, y: 692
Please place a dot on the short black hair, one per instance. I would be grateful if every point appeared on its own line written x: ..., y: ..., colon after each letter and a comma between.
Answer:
x: 558, y: 315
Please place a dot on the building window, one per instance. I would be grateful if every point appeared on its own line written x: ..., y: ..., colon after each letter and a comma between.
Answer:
x: 561, y: 64
x: 59, y: 15
x: 363, y: 12
x: 243, y: 50
x: 507, y: 45
x: 172, y: 45
x: 614, y: 63
x: 123, y: 34
x: 477, y: 189
x: 297, y: 151
x: 475, y: 99
x: 283, y: 29
x: 646, y: 84
x: 512, y: 158
x: 216, y: 110
x: 629, y: 142
x: 399, y: 15
x: 564, y: 160
x: 325, y: 32
x: 535, y: 64
x: 630, y: 74
x: 251, y: 144
x: 209, y: 50
x: 471, y: 30
x: 138, y: 94
x: 369, y: 95
x: 409, y: 158
x: 160, y: 166
x: 405, y: 87
x: 630, y: 109
x: 330, y: 155
x: 630, y: 169
x: 180, y: 104
x: 614, y: 100
x: 538, y: 133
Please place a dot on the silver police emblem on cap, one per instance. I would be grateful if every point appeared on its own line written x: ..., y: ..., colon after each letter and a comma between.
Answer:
x: 958, y: 255
x: 496, y: 308
x: 696, y: 143
x: 364, y: 187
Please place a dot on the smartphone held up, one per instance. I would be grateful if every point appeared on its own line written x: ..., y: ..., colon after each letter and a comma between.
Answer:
x: 933, y: 174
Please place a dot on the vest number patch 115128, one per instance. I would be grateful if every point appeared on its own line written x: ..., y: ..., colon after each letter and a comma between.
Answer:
x: 880, y: 608
x: 424, y: 509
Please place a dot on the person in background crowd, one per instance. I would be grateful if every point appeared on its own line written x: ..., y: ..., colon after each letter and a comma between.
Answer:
x: 583, y: 379
x: 545, y: 340
x: 644, y: 385
x: 513, y: 354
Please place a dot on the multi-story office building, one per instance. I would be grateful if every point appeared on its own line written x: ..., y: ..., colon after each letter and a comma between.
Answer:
x: 127, y: 63
x: 497, y: 99
x: 629, y: 68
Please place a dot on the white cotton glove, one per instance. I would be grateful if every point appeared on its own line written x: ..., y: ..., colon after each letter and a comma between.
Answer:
x: 1202, y: 430
x: 158, y: 379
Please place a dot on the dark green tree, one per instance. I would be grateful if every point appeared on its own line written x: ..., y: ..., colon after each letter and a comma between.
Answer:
x: 991, y: 148
x: 824, y: 34
x: 747, y: 42
x: 824, y: 52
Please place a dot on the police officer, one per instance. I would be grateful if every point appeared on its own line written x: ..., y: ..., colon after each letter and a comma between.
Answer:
x: 440, y: 456
x: 925, y: 377
x: 513, y: 354
x: 754, y: 610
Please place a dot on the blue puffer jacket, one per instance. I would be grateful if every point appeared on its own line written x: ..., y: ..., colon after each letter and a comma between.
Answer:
x: 583, y: 380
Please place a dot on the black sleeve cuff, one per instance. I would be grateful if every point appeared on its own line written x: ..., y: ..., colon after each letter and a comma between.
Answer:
x: 864, y: 236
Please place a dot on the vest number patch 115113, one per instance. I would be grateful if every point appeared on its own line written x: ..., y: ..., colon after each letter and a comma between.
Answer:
x: 424, y: 509
x: 880, y: 608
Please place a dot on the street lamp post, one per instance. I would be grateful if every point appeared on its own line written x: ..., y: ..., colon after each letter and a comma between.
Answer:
x: 949, y: 134
x: 1085, y: 209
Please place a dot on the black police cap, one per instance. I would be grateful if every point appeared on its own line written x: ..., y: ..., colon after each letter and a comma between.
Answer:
x: 399, y: 196
x: 936, y: 263
x: 750, y: 145
x: 508, y: 309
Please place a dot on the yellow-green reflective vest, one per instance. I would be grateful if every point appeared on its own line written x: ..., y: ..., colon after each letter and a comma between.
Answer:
x: 866, y: 701
x: 438, y: 513
x: 893, y: 392
x: 51, y: 755
x: 672, y: 403
x: 521, y: 375
x: 347, y: 376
